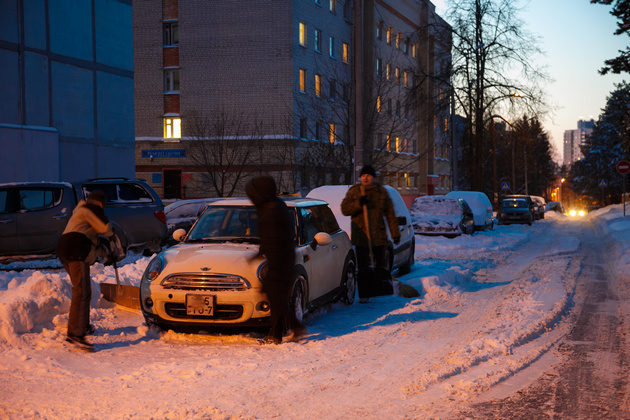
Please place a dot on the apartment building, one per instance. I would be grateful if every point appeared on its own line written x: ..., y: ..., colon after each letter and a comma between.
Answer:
x: 66, y: 108
x: 224, y: 90
x: 574, y: 139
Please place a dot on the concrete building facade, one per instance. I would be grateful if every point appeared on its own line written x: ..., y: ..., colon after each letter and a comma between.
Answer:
x: 291, y: 78
x: 66, y: 108
x: 574, y: 139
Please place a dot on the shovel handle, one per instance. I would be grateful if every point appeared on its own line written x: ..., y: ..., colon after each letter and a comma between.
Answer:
x: 366, y: 219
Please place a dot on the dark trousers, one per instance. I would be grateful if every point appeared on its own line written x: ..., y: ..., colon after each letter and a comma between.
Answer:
x: 365, y: 277
x: 79, y: 316
x: 278, y: 295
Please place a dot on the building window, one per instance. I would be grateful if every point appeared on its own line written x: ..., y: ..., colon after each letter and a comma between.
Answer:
x: 318, y: 131
x: 406, y: 78
x: 171, y: 34
x: 332, y: 133
x: 302, y: 80
x: 388, y: 144
x: 345, y: 93
x: 414, y: 50
x: 388, y: 71
x: 446, y: 125
x: 379, y: 105
x: 398, y: 145
x: 405, y: 46
x: 333, y: 6
x: 390, y: 35
x: 171, y: 80
x: 398, y: 40
x: 172, y: 128
x: 406, y: 145
x: 318, y: 85
x: 302, y: 34
x: 346, y: 52
x: 331, y: 46
x: 303, y: 128
x: 397, y: 74
x: 318, y: 40
x: 379, y: 67
x: 379, y: 30
x: 333, y: 89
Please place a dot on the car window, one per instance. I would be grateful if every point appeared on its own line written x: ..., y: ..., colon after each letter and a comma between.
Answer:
x: 127, y: 192
x: 4, y: 201
x: 186, y: 210
x: 39, y: 199
x: 311, y: 223
x: 328, y: 219
x: 514, y: 204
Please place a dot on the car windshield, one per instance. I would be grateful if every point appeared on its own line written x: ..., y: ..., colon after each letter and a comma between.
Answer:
x: 513, y: 203
x: 226, y: 224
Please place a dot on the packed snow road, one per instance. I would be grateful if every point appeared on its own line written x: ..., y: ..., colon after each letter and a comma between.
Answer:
x: 497, y: 313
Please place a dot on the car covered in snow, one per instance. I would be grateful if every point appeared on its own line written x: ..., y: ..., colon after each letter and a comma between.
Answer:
x: 399, y: 256
x: 480, y: 205
x: 182, y: 214
x: 436, y: 215
x: 213, y: 277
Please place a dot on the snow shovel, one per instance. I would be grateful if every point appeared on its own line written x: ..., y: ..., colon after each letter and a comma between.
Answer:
x: 381, y: 278
x: 123, y: 295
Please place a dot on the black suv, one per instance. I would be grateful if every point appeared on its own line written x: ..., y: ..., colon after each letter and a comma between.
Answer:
x: 33, y: 215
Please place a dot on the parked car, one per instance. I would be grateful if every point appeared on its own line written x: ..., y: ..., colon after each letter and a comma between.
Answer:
x: 436, y: 215
x: 33, y: 215
x: 212, y: 277
x: 514, y: 210
x: 541, y: 206
x: 533, y: 206
x: 555, y: 206
x: 480, y: 205
x: 400, y: 256
x: 182, y: 214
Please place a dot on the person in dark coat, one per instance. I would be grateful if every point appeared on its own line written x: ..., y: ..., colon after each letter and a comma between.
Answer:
x: 277, y: 245
x: 77, y: 251
x: 379, y: 207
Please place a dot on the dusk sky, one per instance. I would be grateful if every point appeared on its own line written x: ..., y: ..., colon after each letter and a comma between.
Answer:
x: 577, y: 37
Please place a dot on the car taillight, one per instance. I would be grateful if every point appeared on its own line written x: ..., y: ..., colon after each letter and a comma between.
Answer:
x: 161, y: 216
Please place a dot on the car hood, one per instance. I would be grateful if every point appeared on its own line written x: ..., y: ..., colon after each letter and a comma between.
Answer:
x: 225, y: 258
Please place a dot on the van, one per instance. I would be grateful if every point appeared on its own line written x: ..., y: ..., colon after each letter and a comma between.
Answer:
x: 401, y: 256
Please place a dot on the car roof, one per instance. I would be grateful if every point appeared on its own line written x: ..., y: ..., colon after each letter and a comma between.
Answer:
x: 290, y: 201
x: 37, y: 184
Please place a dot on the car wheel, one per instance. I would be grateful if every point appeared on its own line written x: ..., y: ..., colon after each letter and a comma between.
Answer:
x: 349, y: 283
x: 298, y: 299
x: 406, y: 267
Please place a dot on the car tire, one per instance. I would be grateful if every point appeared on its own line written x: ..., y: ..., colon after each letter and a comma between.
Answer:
x: 406, y: 267
x: 349, y: 282
x: 298, y: 298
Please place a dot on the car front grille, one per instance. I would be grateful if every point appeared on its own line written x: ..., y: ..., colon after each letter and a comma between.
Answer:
x: 210, y: 281
x: 221, y: 312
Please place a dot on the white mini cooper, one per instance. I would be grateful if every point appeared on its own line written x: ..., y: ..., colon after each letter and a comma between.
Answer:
x: 212, y: 277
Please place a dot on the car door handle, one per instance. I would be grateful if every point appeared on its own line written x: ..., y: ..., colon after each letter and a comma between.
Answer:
x: 60, y: 216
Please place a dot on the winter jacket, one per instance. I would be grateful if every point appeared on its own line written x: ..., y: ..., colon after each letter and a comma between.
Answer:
x: 275, y: 228
x: 80, y: 238
x: 379, y: 207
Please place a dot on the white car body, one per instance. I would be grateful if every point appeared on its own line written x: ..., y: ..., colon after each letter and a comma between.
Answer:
x: 402, y: 254
x: 225, y: 271
x: 480, y: 205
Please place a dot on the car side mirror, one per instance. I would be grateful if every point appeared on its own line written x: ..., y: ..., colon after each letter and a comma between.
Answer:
x: 402, y: 220
x: 322, y: 239
x: 179, y: 234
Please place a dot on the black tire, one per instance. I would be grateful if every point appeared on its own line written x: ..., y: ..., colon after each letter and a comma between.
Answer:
x: 298, y: 299
x: 349, y: 282
x: 406, y: 267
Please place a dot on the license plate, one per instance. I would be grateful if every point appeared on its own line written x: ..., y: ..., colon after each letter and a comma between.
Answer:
x: 199, y: 304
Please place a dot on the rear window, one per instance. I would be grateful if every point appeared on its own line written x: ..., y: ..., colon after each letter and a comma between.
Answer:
x: 514, y: 204
x: 117, y: 193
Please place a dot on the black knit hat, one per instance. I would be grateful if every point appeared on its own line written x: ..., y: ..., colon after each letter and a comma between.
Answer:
x: 369, y: 170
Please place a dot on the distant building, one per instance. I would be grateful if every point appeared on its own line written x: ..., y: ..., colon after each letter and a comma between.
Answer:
x: 574, y: 139
x: 66, y: 102
x: 322, y: 103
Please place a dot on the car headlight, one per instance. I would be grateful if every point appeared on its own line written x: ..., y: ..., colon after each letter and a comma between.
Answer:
x: 261, y: 272
x: 154, y: 268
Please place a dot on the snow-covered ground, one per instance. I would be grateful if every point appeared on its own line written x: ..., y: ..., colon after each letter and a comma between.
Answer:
x: 492, y: 305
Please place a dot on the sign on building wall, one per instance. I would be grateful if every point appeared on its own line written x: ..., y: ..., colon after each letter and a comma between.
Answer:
x: 164, y: 153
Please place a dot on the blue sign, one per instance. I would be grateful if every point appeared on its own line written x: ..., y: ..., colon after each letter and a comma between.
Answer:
x: 602, y: 183
x: 156, y: 178
x: 505, y: 186
x: 164, y: 153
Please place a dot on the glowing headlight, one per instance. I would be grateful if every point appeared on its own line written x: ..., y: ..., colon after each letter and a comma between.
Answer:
x: 154, y: 268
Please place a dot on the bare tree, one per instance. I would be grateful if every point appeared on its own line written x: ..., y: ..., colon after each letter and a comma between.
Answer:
x: 493, y: 73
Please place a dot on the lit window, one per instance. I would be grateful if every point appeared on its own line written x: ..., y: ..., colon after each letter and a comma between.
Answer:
x: 397, y: 74
x: 333, y: 6
x: 171, y: 80
x: 171, y: 33
x: 406, y: 145
x: 414, y: 50
x: 331, y: 46
x: 388, y: 71
x: 318, y: 85
x: 445, y: 124
x: 406, y: 78
x: 302, y: 80
x: 378, y: 104
x: 303, y: 34
x: 407, y: 180
x: 398, y: 145
x: 332, y: 137
x: 389, y: 143
x: 172, y: 128
x: 398, y: 40
x: 318, y: 40
x: 346, y: 52
x: 390, y: 35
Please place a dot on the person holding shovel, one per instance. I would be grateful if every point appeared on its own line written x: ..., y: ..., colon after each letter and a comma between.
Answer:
x: 368, y: 204
x: 77, y: 251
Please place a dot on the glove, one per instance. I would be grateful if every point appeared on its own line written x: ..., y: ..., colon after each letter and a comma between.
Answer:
x: 363, y: 200
x: 397, y: 240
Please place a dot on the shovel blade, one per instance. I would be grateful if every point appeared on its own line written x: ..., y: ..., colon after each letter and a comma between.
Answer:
x: 127, y: 296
